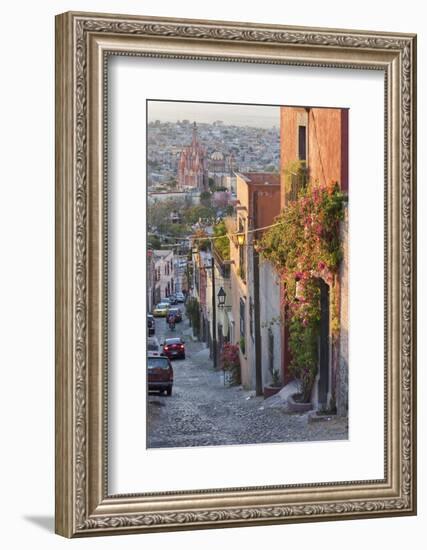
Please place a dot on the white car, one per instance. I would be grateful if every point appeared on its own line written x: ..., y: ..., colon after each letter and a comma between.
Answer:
x: 180, y: 297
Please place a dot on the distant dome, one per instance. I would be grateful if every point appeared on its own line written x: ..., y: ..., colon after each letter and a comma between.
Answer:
x: 217, y: 155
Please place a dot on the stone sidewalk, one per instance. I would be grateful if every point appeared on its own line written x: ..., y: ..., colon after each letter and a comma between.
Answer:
x: 201, y: 411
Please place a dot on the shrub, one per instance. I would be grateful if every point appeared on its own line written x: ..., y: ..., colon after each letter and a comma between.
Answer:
x: 230, y: 362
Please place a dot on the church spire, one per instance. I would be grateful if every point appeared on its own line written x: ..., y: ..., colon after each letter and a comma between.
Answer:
x: 194, y: 141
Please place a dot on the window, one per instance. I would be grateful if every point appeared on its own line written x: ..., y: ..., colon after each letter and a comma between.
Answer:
x: 242, y: 255
x: 232, y: 330
x: 242, y: 318
x: 302, y: 142
x: 251, y: 317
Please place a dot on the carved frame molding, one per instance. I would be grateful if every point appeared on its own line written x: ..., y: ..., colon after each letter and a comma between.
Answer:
x: 83, y: 44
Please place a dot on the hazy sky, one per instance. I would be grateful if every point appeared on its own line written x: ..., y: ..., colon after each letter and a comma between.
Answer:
x: 240, y: 115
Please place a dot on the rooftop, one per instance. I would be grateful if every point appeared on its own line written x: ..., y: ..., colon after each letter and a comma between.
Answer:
x: 260, y: 178
x: 162, y: 253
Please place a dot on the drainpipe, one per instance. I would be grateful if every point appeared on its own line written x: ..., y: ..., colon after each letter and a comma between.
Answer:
x: 257, y: 320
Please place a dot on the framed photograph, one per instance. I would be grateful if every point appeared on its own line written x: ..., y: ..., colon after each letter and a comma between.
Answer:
x: 235, y: 274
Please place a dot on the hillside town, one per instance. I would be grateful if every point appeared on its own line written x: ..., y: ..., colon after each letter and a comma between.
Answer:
x: 247, y: 280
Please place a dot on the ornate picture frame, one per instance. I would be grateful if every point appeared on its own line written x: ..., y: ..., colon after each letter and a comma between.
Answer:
x: 84, y: 42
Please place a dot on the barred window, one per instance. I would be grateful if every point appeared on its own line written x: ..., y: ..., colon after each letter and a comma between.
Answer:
x: 242, y: 318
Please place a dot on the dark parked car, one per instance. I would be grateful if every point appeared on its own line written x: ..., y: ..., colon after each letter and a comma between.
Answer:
x: 172, y: 299
x: 160, y: 374
x: 174, y: 348
x: 151, y: 325
x: 176, y: 313
x: 153, y: 345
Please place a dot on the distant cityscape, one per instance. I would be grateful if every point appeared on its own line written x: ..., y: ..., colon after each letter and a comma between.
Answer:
x: 226, y: 148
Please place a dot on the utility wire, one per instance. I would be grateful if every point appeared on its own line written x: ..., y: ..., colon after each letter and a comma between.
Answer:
x: 210, y: 238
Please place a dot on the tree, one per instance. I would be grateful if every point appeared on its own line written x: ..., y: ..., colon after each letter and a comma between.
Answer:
x: 221, y: 199
x: 159, y: 212
x: 229, y: 210
x: 205, y: 198
x: 201, y: 241
x: 192, y: 310
x: 194, y: 213
x: 154, y: 242
x: 172, y: 183
x: 177, y: 230
x: 222, y: 244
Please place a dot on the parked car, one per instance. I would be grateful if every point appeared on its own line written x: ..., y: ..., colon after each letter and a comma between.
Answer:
x: 153, y: 345
x: 174, y: 348
x: 160, y: 374
x: 172, y: 299
x: 151, y: 325
x: 180, y: 297
x: 174, y: 312
x: 161, y: 309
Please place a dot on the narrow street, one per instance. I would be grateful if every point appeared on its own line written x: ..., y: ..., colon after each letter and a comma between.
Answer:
x: 201, y: 411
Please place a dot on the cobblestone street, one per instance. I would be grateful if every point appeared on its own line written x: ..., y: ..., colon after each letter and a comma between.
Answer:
x: 201, y: 411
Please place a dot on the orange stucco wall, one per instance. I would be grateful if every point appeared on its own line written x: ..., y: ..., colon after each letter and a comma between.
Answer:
x: 325, y: 133
x: 268, y: 206
x: 327, y: 143
x: 327, y: 160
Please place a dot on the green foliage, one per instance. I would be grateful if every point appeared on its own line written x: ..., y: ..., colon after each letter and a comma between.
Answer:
x: 192, y: 309
x: 222, y: 244
x: 229, y: 210
x: 303, y: 247
x: 296, y: 174
x: 242, y: 344
x: 303, y: 344
x: 241, y: 272
x: 158, y: 213
x: 275, y: 377
x: 172, y: 183
x: 206, y: 198
x: 194, y: 213
x: 154, y: 242
x: 178, y: 230
x: 200, y: 242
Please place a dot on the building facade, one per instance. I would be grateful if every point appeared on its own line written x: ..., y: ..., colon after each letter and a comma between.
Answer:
x: 271, y: 323
x: 151, y: 276
x: 202, y: 261
x: 220, y: 270
x: 192, y: 165
x: 258, y: 196
x: 314, y: 147
x: 164, y: 274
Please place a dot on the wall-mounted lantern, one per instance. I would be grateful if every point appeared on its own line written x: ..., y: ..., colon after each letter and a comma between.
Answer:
x: 240, y: 239
x: 221, y: 297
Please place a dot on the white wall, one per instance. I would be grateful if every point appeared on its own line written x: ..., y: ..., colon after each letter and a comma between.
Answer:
x: 27, y: 245
x: 270, y: 310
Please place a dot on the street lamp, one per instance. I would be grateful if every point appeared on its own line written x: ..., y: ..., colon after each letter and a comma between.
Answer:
x: 221, y: 297
x: 240, y: 239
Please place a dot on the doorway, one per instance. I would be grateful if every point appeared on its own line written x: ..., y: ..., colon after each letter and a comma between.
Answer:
x: 324, y: 382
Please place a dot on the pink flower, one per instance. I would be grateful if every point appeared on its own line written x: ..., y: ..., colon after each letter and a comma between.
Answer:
x: 321, y: 266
